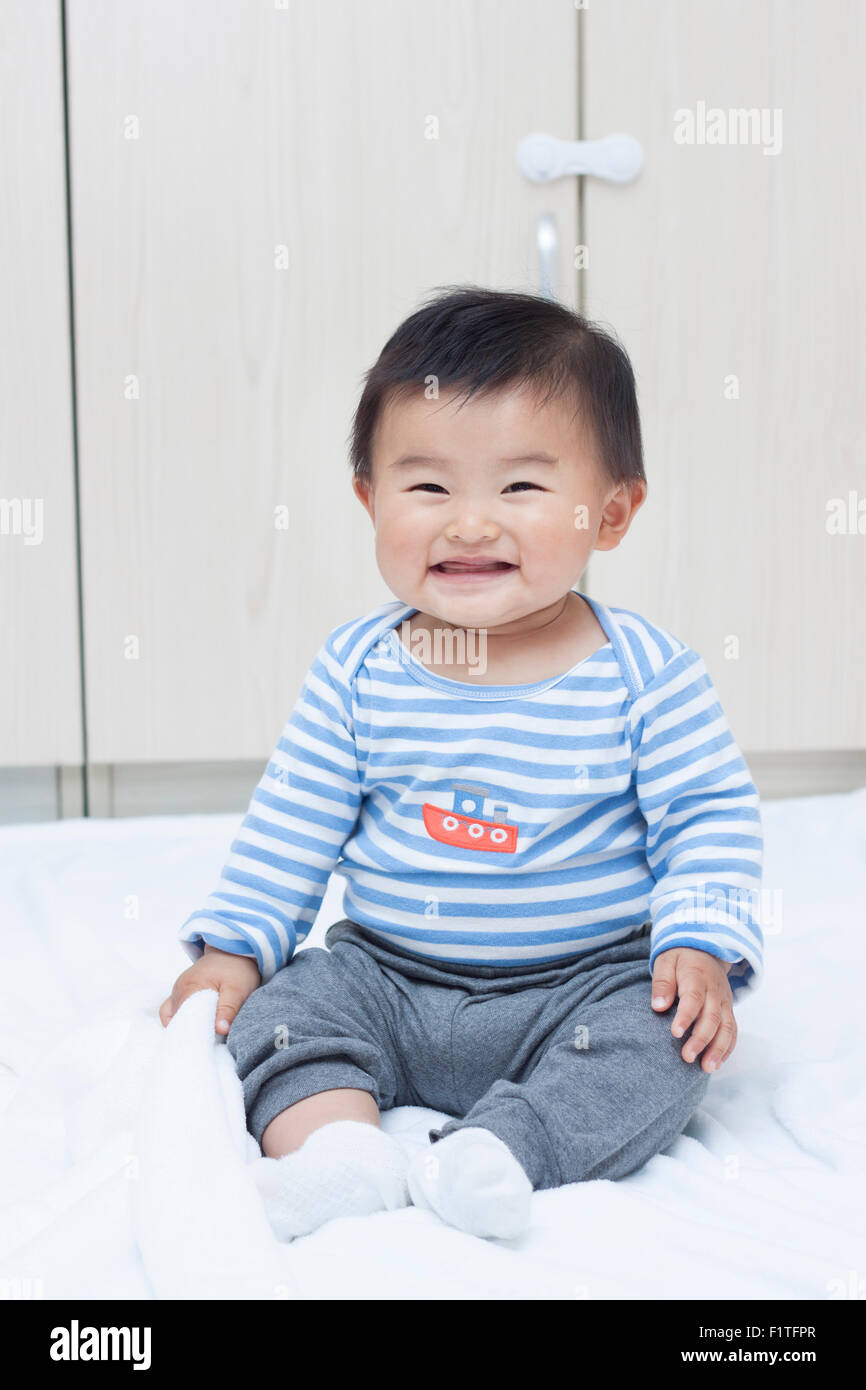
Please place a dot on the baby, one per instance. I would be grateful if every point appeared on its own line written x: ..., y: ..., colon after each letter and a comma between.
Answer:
x: 551, y: 843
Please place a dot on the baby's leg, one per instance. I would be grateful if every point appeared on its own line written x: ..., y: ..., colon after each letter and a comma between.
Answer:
x: 606, y: 1090
x: 314, y: 1031
x: 315, y: 1065
x: 291, y: 1127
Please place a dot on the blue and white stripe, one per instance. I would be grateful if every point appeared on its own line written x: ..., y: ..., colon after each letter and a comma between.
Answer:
x: 631, y: 799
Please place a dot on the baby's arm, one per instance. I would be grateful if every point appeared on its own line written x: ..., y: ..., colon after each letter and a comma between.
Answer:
x: 704, y: 847
x: 273, y: 882
x: 233, y: 977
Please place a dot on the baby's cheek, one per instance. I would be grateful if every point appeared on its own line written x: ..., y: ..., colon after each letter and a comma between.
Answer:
x: 405, y: 535
x: 560, y: 532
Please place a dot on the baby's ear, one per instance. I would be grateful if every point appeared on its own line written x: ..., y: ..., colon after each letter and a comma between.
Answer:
x: 364, y: 494
x: 618, y: 513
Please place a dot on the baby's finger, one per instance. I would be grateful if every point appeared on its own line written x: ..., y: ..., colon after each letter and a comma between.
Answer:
x: 692, y: 991
x: 230, y: 1001
x: 732, y: 1042
x: 705, y: 1029
x: 720, y: 1045
x: 664, y: 987
x: 184, y: 986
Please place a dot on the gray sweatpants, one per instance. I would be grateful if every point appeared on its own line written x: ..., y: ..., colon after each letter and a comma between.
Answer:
x: 568, y: 1064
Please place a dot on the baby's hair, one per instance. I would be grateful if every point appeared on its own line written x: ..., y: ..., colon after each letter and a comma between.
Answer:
x: 487, y: 340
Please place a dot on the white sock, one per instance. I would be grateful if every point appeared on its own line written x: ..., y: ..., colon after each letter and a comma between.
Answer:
x: 472, y: 1180
x: 345, y: 1168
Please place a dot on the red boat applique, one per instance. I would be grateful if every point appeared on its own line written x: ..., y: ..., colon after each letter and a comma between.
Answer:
x: 465, y: 824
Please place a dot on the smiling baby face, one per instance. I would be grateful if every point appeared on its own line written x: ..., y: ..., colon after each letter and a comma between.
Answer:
x: 486, y: 511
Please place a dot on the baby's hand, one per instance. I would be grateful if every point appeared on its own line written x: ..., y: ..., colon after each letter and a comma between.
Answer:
x: 233, y: 977
x: 701, y: 981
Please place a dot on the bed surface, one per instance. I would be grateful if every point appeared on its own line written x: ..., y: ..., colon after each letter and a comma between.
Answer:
x: 124, y: 1160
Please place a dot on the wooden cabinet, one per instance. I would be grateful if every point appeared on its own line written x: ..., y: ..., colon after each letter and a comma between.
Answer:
x: 259, y: 194
x: 40, y: 689
x: 734, y: 273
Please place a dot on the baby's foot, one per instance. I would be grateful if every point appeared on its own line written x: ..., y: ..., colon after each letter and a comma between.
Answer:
x: 472, y: 1180
x: 345, y: 1168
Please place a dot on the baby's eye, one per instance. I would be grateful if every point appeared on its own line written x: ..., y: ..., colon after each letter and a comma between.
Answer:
x: 439, y: 487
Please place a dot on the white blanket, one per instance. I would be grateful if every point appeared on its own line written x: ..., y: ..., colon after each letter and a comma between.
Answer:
x: 124, y: 1157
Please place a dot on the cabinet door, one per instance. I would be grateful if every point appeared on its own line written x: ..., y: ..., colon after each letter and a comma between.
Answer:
x: 260, y: 195
x: 735, y: 274
x: 40, y: 697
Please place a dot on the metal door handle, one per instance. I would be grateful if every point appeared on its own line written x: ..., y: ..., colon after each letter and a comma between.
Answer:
x: 617, y: 158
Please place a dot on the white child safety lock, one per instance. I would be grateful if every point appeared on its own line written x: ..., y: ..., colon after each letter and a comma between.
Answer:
x: 616, y: 158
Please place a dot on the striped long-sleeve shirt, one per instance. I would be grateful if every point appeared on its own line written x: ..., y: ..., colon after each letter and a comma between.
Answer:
x: 500, y: 825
